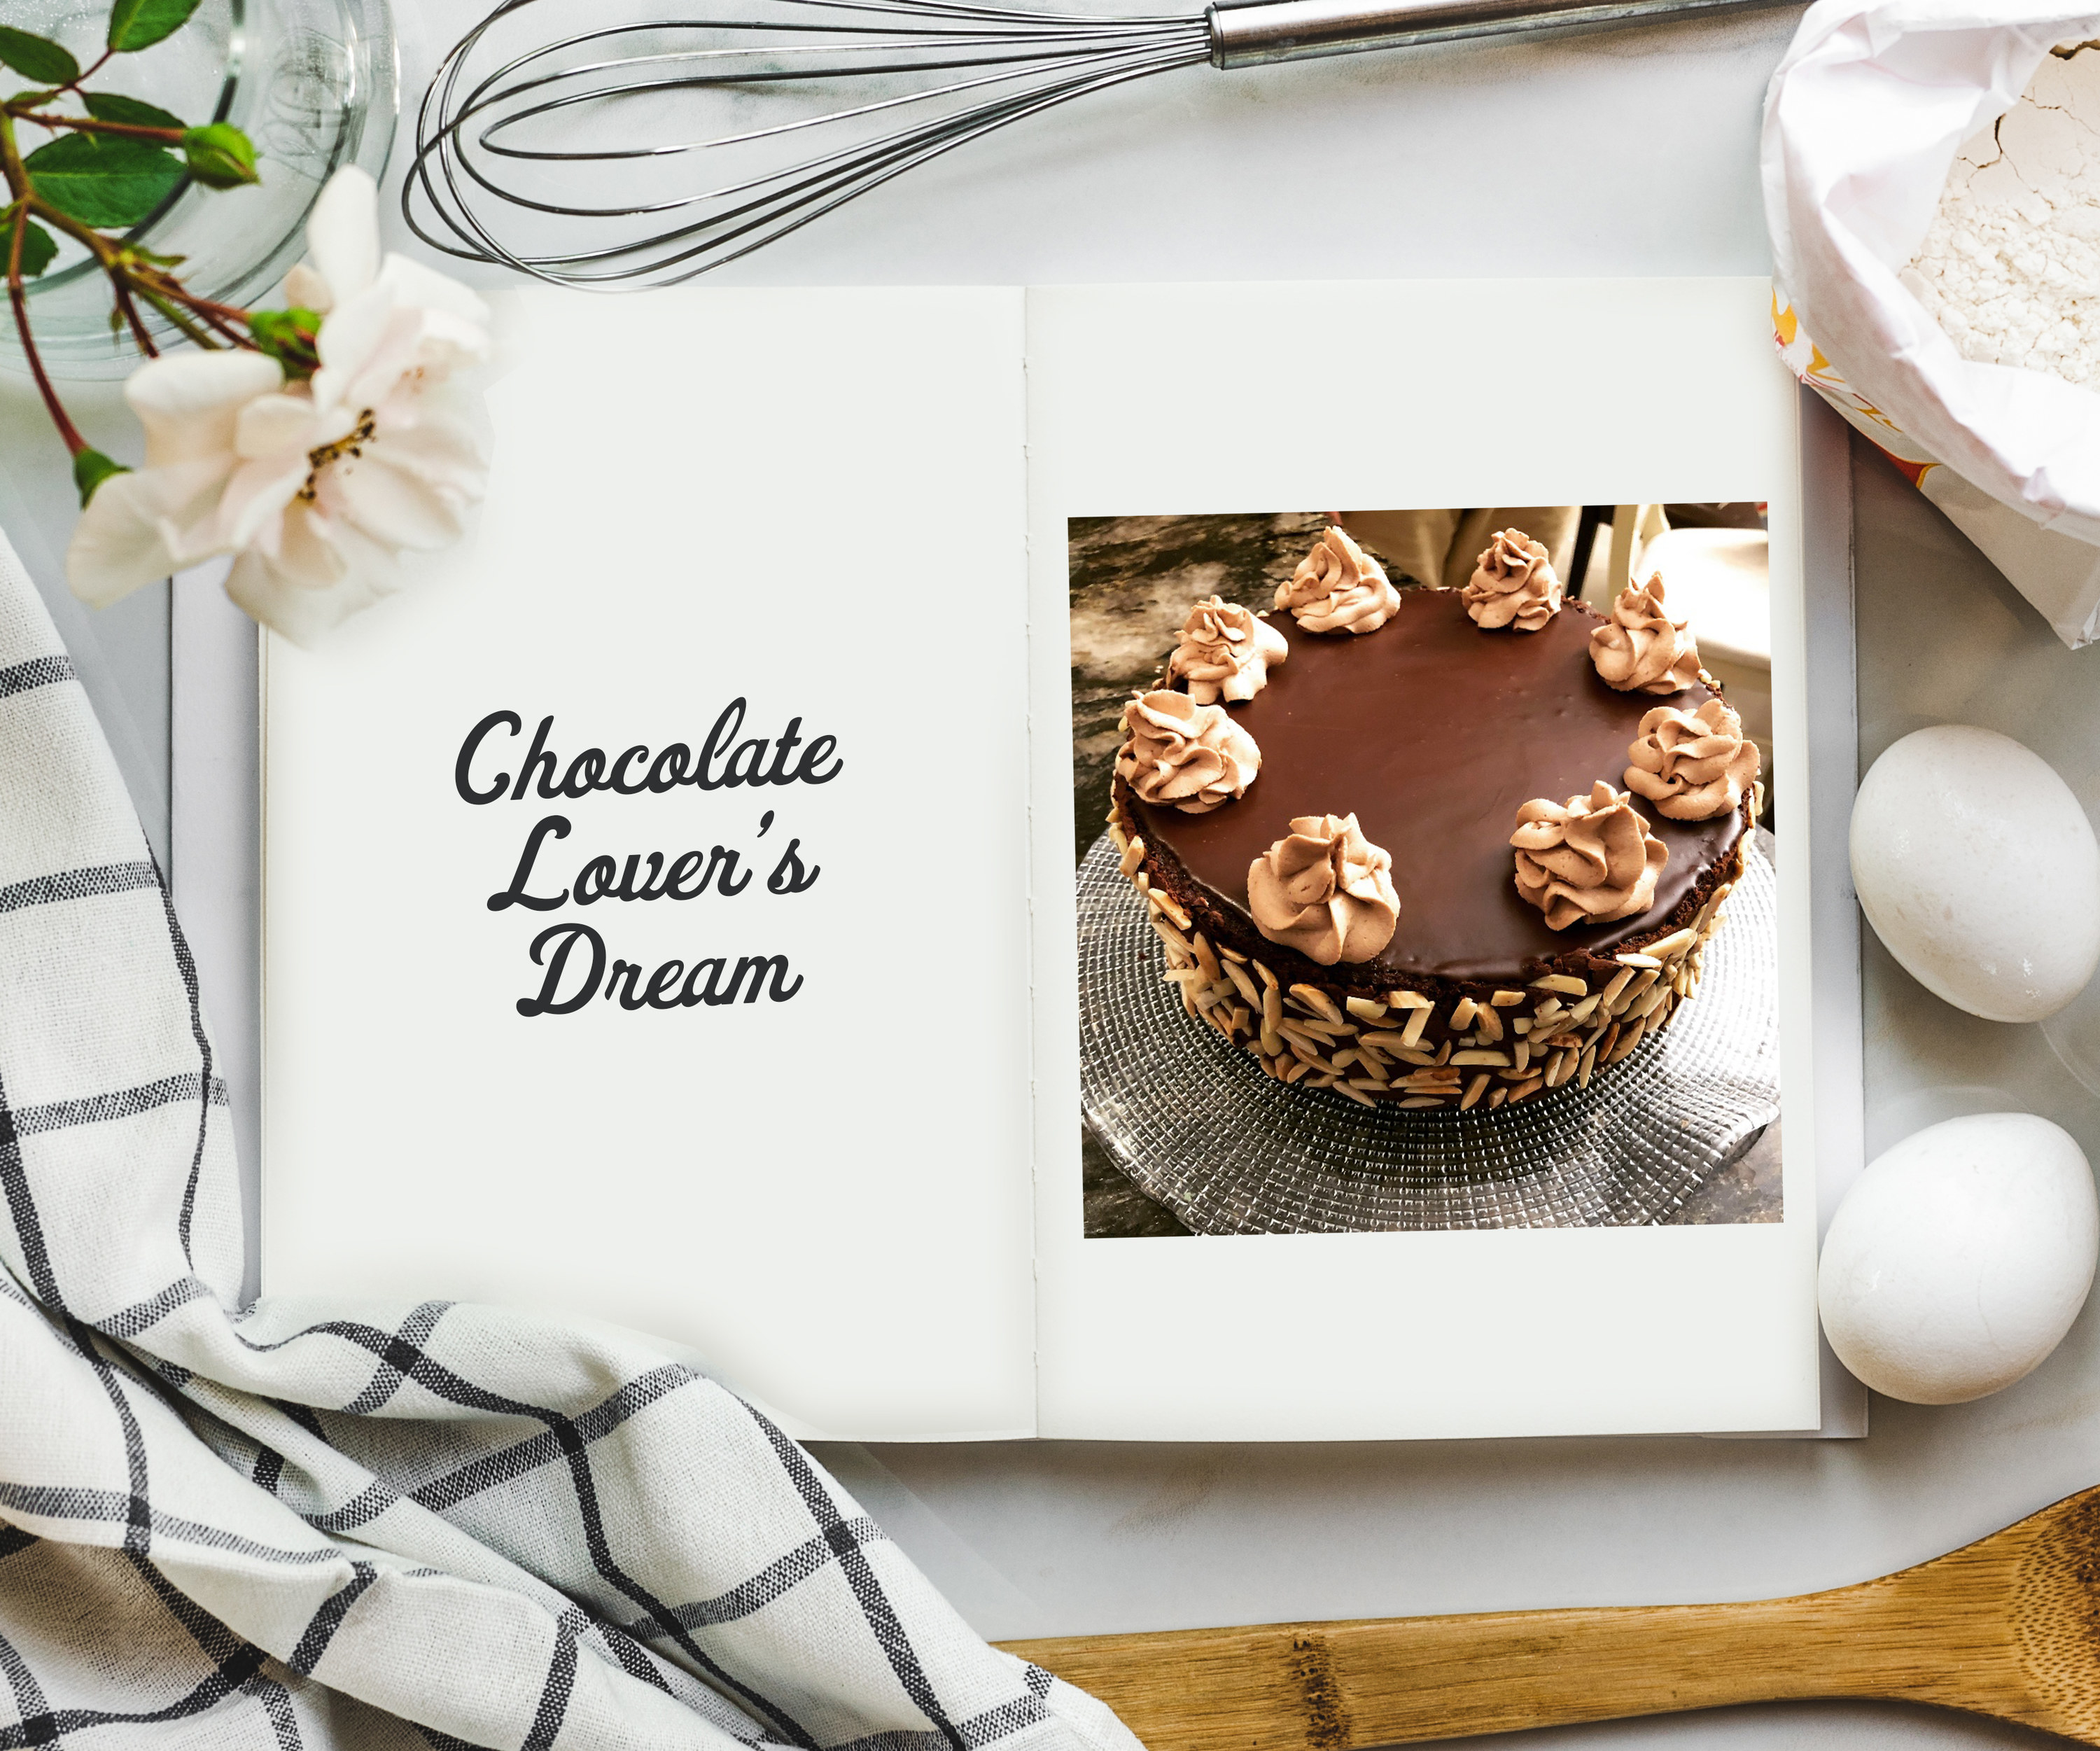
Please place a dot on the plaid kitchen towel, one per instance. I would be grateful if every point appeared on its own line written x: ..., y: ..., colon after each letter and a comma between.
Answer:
x: 358, y: 1524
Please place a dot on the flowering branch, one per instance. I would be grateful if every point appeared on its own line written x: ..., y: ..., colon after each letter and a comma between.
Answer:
x: 102, y: 172
x: 316, y: 481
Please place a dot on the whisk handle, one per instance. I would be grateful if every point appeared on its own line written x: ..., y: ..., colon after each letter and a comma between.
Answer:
x: 1248, y: 33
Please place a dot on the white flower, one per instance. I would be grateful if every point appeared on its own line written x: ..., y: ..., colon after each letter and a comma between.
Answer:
x: 315, y: 487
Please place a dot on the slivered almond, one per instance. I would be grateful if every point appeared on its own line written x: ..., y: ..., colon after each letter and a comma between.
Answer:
x: 1363, y: 1009
x: 1357, y: 1095
x: 1531, y: 1087
x: 1317, y: 1001
x: 1584, y: 1010
x: 1462, y: 1015
x: 1670, y: 944
x: 1637, y: 960
x: 1497, y: 1095
x: 1627, y: 1041
x: 1500, y: 1059
x: 1411, y: 1035
x: 1583, y: 1069
x: 1247, y: 988
x: 1619, y: 982
x: 1561, y: 981
x: 1523, y: 1053
x: 1423, y: 1101
x: 1474, y: 1089
x: 1133, y: 855
x: 1410, y: 1000
x: 1491, y: 1025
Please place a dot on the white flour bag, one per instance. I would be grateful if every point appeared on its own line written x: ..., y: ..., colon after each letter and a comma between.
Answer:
x: 1864, y: 121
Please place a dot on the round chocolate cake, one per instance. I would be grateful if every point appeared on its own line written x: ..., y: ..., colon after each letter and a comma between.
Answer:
x: 1428, y: 754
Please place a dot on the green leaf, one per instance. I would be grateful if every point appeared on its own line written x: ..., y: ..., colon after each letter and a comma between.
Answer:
x: 90, y: 468
x: 113, y: 106
x: 36, y: 57
x: 219, y: 156
x: 105, y: 182
x: 38, y: 247
x: 140, y: 24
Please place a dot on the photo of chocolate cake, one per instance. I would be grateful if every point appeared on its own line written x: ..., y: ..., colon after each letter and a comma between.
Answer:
x: 1452, y: 848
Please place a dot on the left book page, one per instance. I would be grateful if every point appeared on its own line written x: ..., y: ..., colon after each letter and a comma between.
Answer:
x: 712, y: 699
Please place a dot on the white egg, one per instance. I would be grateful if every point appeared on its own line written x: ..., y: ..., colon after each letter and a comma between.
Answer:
x: 1976, y: 867
x: 1961, y: 1257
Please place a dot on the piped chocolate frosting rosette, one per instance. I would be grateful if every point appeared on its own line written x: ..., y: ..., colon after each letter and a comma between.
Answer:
x: 1588, y: 860
x: 1640, y: 649
x: 1180, y: 754
x: 1339, y: 588
x: 1692, y: 766
x: 1513, y: 584
x: 1225, y: 652
x: 1325, y: 890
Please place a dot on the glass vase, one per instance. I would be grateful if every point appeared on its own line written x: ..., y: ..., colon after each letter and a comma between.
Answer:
x: 312, y: 82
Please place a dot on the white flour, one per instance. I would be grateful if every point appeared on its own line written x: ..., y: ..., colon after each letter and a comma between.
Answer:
x: 2011, y: 266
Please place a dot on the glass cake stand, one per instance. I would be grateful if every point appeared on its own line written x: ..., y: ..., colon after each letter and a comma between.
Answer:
x: 1199, y: 1127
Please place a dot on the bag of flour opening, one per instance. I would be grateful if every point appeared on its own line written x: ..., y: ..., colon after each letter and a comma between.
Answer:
x: 1957, y: 326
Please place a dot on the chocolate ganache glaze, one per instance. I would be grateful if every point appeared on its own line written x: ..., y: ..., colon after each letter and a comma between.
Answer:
x: 1433, y: 732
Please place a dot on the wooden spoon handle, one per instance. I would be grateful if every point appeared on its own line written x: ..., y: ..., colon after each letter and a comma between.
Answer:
x: 1328, y: 1687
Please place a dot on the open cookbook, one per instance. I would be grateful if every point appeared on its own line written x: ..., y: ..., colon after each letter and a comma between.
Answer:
x: 1208, y: 862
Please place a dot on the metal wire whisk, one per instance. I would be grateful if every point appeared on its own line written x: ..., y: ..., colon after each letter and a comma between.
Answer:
x: 644, y: 153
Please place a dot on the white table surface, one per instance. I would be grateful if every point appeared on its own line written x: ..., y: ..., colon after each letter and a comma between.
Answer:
x: 1625, y: 154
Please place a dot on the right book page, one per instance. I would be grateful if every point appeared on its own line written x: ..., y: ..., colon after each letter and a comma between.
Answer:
x: 1355, y: 1119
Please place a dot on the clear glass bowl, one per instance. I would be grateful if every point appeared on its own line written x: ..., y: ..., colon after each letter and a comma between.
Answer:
x: 312, y: 82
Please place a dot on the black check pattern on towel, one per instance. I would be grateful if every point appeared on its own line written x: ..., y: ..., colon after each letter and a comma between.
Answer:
x: 315, y: 1525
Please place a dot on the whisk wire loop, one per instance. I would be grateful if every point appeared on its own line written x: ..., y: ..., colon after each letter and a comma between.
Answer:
x: 489, y: 183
